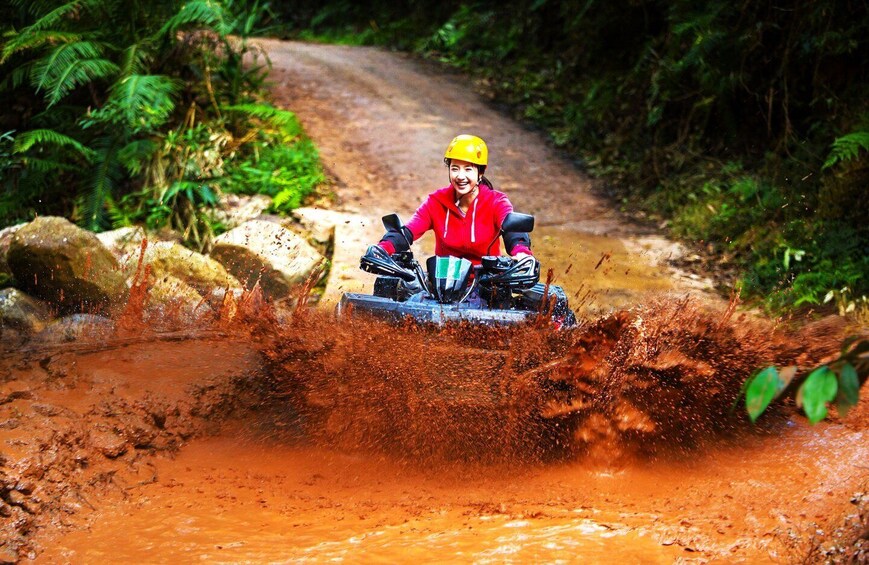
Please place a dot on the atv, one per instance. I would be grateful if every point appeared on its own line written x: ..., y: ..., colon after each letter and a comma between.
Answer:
x: 500, y: 291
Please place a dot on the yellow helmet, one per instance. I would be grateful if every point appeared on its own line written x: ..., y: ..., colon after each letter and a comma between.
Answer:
x: 468, y: 148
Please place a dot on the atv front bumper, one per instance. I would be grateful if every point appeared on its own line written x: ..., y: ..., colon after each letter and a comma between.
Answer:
x: 427, y: 311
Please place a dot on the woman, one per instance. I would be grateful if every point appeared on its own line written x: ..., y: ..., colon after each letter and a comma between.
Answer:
x: 466, y: 216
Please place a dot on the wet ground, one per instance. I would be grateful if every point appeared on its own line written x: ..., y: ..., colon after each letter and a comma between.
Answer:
x: 243, y: 500
x: 221, y: 448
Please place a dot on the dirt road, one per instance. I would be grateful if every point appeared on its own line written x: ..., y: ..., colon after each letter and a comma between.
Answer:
x: 382, y: 122
x: 258, y: 491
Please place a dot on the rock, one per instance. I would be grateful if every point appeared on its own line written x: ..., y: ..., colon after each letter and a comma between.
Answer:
x: 268, y: 252
x: 65, y: 265
x: 75, y: 327
x: 110, y: 444
x: 123, y: 241
x: 6, y: 239
x: 168, y: 258
x: 21, y: 312
x: 171, y: 298
x: 236, y: 209
x: 321, y: 223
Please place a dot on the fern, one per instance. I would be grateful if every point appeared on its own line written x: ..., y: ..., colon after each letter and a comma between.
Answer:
x: 135, y: 59
x: 32, y: 39
x: 847, y: 147
x: 55, y: 17
x: 269, y: 114
x: 138, y: 102
x: 134, y: 155
x: 47, y: 136
x: 17, y: 77
x: 106, y: 175
x: 203, y: 12
x: 68, y: 66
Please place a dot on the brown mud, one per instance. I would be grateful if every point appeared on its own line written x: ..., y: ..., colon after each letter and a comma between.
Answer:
x: 265, y: 436
x: 612, y: 441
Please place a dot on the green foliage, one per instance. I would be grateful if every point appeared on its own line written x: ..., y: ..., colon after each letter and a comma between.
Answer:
x: 140, y: 109
x: 28, y: 139
x: 138, y: 103
x: 281, y: 163
x: 837, y: 381
x: 847, y: 148
x: 68, y: 66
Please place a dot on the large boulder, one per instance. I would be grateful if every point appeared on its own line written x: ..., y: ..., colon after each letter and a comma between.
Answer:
x: 122, y: 241
x: 75, y: 327
x: 172, y: 301
x: 21, y: 312
x: 264, y: 251
x: 168, y: 258
x: 236, y: 209
x: 6, y: 239
x: 65, y: 265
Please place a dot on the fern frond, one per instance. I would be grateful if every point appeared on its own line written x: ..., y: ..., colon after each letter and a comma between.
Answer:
x: 106, y: 175
x: 135, y: 59
x: 68, y: 66
x: 30, y: 138
x: 268, y: 114
x: 136, y: 154
x: 201, y: 12
x: 847, y: 147
x: 47, y: 166
x: 28, y: 39
x: 139, y: 102
x: 17, y: 77
x: 54, y: 18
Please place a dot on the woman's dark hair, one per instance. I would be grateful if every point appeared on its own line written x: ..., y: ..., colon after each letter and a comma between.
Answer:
x: 480, y: 168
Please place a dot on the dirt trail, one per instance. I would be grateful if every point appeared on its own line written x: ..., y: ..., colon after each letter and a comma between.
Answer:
x: 382, y: 121
x: 104, y: 448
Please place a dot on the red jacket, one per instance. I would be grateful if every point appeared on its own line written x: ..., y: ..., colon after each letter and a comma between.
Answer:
x: 459, y: 234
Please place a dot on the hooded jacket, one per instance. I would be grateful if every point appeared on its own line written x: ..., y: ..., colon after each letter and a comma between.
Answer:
x: 461, y: 234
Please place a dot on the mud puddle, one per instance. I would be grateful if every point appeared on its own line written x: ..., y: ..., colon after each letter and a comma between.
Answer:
x: 335, y: 441
x: 239, y: 499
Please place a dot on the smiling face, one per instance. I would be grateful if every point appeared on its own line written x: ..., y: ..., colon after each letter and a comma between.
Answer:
x: 464, y: 177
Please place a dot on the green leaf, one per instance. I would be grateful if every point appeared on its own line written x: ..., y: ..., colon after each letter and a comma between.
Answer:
x: 68, y: 66
x: 204, y: 13
x: 34, y: 137
x: 849, y: 389
x: 41, y: 31
x: 138, y: 102
x: 762, y: 389
x: 819, y: 388
x: 847, y: 147
x: 268, y: 113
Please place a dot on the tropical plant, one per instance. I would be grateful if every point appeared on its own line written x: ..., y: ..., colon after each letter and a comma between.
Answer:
x: 141, y: 108
x: 838, y: 381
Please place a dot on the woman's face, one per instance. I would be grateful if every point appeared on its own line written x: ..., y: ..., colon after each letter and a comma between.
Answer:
x: 464, y: 177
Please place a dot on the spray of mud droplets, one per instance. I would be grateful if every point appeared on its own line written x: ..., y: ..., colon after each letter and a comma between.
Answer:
x: 656, y: 380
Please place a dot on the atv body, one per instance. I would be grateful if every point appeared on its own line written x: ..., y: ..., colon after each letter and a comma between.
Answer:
x: 499, y: 291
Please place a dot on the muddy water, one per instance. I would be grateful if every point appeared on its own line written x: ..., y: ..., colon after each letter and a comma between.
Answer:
x: 374, y: 484
x: 235, y: 499
x: 599, y: 272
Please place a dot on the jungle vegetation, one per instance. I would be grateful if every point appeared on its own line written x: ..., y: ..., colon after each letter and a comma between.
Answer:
x: 743, y: 126
x: 132, y: 112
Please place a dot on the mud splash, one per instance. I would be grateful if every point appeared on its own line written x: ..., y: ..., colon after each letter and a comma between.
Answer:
x: 661, y: 379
